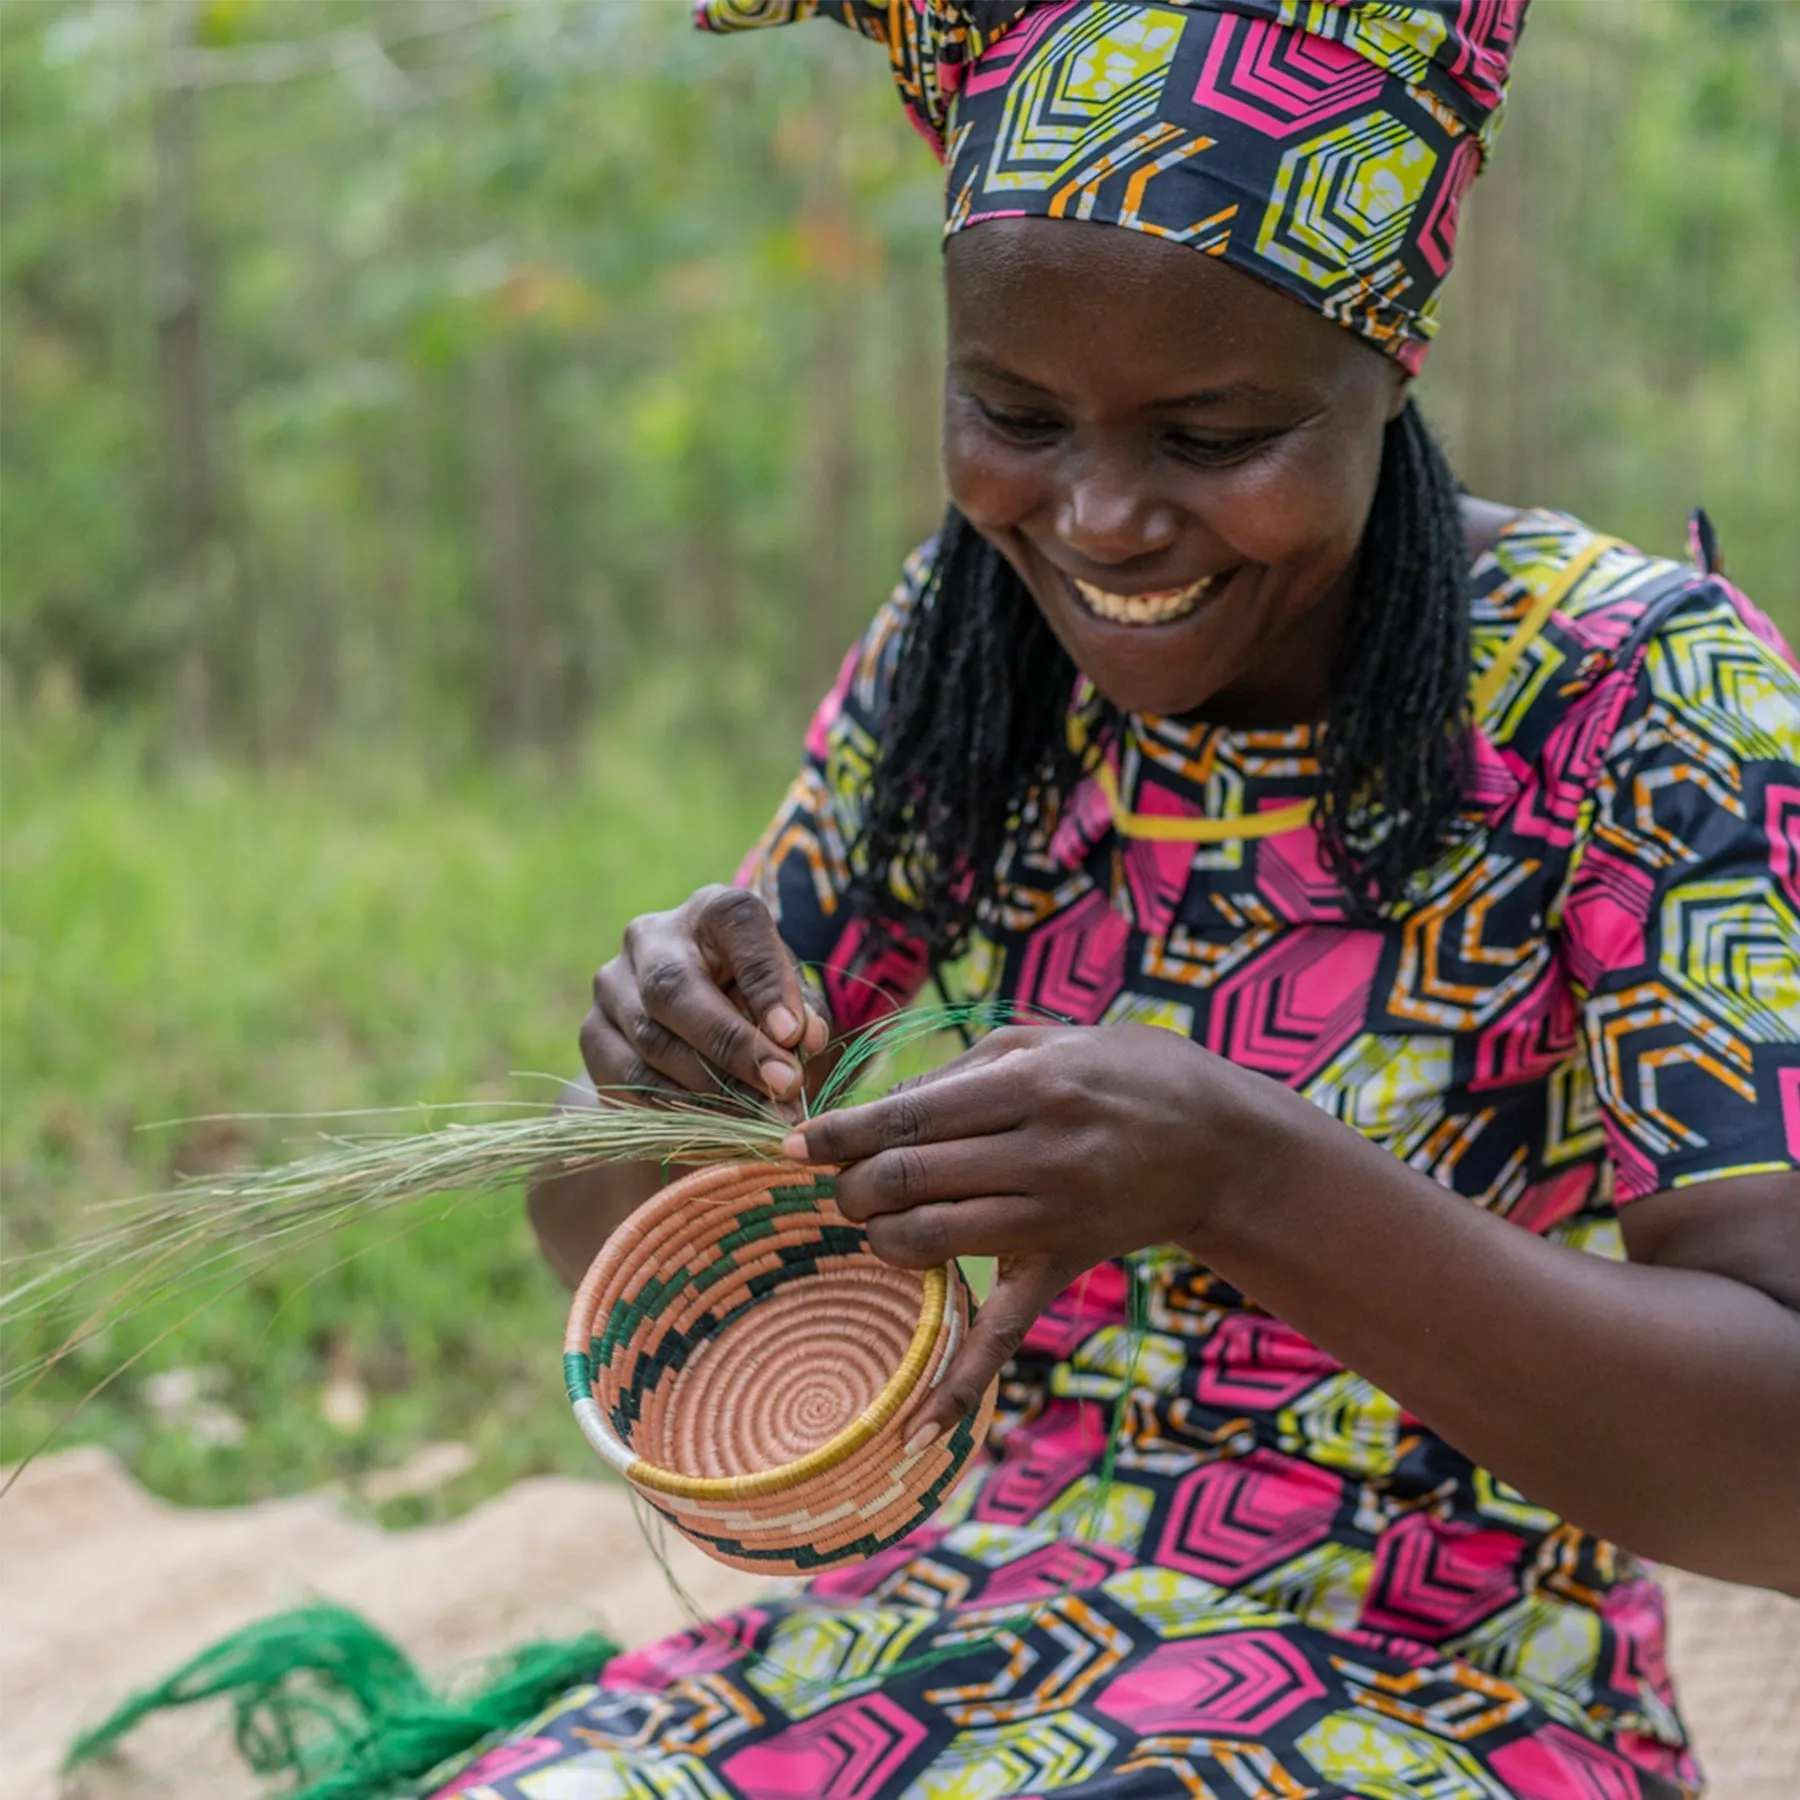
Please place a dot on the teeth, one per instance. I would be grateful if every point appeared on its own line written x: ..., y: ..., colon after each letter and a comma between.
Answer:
x: 1143, y: 609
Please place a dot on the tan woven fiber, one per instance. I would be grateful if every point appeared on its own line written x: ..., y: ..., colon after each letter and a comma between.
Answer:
x: 745, y: 1360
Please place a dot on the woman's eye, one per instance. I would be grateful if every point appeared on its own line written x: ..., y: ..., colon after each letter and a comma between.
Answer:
x: 1023, y: 428
x: 1215, y: 452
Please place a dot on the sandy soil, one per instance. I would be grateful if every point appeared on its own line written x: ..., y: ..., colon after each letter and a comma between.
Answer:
x: 104, y: 1589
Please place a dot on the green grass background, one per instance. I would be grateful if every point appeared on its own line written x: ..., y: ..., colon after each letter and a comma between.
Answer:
x: 235, y: 943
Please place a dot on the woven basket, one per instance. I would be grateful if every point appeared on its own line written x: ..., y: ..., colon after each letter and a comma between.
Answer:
x: 744, y: 1360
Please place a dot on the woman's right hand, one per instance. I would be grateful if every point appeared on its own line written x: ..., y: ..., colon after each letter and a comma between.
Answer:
x: 699, y: 996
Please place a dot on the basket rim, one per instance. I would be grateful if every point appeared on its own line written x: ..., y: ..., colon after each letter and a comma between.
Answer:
x: 700, y: 1186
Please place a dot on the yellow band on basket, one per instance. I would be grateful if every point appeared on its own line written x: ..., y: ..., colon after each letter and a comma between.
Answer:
x: 834, y: 1450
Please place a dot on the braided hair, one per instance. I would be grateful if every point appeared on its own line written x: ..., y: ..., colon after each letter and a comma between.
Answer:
x: 975, y: 740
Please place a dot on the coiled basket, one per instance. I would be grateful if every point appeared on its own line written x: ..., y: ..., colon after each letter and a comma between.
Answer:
x: 745, y: 1361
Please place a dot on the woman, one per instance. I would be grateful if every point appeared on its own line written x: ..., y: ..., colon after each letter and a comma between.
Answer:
x: 1434, y: 871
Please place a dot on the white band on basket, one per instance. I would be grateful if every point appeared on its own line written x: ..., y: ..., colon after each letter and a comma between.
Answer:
x: 952, y: 1341
x: 606, y: 1443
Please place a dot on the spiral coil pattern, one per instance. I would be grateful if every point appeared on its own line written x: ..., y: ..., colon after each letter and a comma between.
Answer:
x: 740, y: 1355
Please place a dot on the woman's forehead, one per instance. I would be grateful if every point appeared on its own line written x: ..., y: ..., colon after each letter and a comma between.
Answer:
x: 1055, y: 301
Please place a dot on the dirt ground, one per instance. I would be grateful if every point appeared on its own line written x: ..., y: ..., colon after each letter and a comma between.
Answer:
x: 104, y: 1589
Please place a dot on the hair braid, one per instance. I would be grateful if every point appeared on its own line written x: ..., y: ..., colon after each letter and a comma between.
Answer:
x: 976, y: 734
x: 1391, y: 753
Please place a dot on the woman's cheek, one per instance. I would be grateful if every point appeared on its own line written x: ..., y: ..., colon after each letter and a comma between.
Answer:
x: 1296, y: 506
x: 980, y: 475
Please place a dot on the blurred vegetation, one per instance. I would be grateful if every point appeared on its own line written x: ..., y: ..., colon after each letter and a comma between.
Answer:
x: 444, y: 447
x: 422, y: 371
x: 291, y: 943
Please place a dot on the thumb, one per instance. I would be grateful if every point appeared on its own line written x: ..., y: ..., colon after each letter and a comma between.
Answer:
x: 1022, y: 1288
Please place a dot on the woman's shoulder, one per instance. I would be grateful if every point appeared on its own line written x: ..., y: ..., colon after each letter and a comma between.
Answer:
x: 1568, y: 620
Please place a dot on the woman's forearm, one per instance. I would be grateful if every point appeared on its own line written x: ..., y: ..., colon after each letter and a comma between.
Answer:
x: 574, y: 1214
x: 1659, y: 1407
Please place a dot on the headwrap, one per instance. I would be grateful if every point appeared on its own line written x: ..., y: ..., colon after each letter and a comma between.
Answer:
x: 1323, y: 146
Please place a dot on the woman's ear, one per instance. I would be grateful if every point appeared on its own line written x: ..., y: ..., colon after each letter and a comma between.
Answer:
x: 1402, y: 391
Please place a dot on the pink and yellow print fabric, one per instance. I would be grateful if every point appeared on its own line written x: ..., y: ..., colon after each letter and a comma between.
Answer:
x: 1323, y: 146
x: 1294, y: 1587
x: 1594, y: 996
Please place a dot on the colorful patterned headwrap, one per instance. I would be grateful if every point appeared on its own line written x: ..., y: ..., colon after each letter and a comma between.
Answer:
x: 1323, y: 146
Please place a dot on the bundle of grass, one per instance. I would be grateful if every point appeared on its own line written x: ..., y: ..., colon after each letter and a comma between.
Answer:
x: 187, y: 1245
x: 779, y: 1421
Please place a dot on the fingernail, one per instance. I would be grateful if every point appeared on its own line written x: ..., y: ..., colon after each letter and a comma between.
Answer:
x: 920, y: 1438
x: 793, y: 1146
x: 778, y: 1077
x: 781, y: 1025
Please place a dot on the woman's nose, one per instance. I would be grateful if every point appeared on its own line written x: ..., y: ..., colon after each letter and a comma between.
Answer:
x: 1105, y: 516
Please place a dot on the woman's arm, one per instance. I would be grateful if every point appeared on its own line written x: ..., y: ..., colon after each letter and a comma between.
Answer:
x: 1655, y: 1403
x: 714, y: 988
x: 574, y: 1214
x: 699, y: 998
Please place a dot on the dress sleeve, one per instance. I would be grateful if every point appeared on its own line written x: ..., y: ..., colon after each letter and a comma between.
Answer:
x: 1682, y: 918
x: 803, y: 864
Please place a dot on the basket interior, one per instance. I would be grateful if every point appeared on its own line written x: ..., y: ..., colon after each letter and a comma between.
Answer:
x: 746, y: 1347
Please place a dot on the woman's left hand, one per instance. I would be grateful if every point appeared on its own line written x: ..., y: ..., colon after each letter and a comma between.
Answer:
x: 1050, y: 1149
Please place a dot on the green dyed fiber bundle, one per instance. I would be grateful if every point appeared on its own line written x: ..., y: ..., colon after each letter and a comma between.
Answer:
x: 320, y: 1696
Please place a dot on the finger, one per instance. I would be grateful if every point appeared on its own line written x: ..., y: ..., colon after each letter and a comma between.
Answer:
x: 1020, y: 1293
x: 928, y: 1236
x: 895, y: 1181
x: 612, y: 1064
x: 678, y: 991
x: 1004, y: 1040
x: 986, y: 1051
x: 815, y: 1032
x: 971, y: 1104
x: 738, y: 935
x: 652, y: 1045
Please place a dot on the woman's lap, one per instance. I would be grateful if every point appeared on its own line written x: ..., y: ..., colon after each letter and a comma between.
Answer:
x: 979, y: 1662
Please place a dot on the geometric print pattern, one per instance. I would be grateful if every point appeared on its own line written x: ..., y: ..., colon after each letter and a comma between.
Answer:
x: 1291, y: 155
x: 1296, y: 1588
x: 1592, y: 995
x: 1390, y: 1623
x: 1323, y: 148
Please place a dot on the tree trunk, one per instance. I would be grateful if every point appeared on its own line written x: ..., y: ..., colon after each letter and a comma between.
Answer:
x: 831, y: 465
x: 513, y: 663
x: 190, y: 508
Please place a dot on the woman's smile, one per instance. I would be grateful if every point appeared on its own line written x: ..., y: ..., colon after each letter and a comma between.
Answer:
x: 1162, y: 607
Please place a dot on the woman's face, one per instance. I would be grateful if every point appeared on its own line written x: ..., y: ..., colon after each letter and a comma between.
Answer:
x: 1176, y: 459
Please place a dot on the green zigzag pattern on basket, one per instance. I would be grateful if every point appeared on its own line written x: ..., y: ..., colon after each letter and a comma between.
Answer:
x: 756, y: 1222
x: 677, y: 1346
x: 961, y: 1442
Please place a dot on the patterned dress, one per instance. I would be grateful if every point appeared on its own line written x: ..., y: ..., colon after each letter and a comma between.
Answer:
x: 1293, y: 1587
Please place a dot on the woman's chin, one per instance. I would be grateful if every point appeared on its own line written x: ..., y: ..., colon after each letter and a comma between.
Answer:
x: 1167, y: 670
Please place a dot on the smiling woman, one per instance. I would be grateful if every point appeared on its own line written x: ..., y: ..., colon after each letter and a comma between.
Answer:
x: 1209, y: 500
x: 1417, y: 877
x: 1448, y: 848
